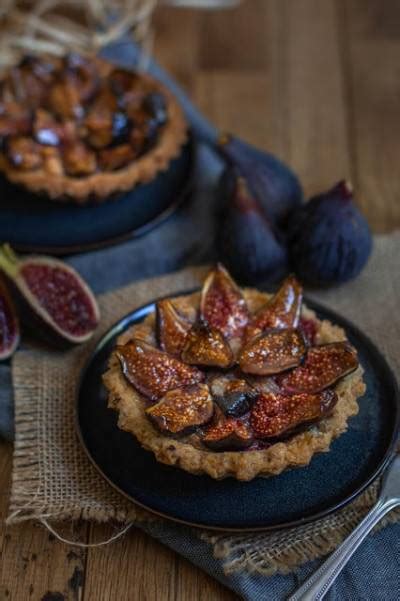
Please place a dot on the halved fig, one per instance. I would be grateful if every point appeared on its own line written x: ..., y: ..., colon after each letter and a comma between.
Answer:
x: 64, y: 101
x: 116, y: 157
x: 46, y: 129
x: 183, y: 409
x: 274, y: 415
x: 222, y: 304
x: 9, y: 324
x: 23, y: 153
x: 227, y: 434
x: 281, y: 311
x: 153, y: 372
x: 53, y: 299
x: 273, y: 352
x: 206, y: 345
x: 233, y: 395
x: 324, y: 366
x: 82, y: 74
x: 172, y: 328
x: 14, y: 120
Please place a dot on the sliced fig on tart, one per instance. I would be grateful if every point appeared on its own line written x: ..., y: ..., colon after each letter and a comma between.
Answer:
x: 153, y: 372
x: 222, y: 304
x: 273, y: 352
x: 172, y: 327
x: 182, y: 410
x: 324, y: 365
x: 275, y: 415
x: 234, y: 396
x: 281, y: 311
x: 23, y: 153
x: 205, y: 345
x: 227, y: 434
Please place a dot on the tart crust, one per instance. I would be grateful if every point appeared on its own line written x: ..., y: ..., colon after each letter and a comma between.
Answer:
x: 297, y: 451
x: 103, y: 185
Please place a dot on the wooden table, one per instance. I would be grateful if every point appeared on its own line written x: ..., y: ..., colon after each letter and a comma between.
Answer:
x: 317, y: 83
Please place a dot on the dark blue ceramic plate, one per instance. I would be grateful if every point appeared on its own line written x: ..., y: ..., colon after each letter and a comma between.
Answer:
x: 35, y: 224
x: 298, y: 496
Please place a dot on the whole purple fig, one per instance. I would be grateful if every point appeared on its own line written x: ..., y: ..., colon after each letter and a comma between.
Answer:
x: 329, y: 239
x: 274, y: 186
x: 248, y: 243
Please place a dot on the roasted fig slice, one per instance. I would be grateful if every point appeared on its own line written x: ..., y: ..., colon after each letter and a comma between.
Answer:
x: 54, y: 300
x: 281, y: 311
x: 274, y: 415
x: 23, y: 153
x: 309, y: 328
x: 78, y: 159
x: 116, y: 157
x: 234, y: 396
x: 273, y: 352
x: 9, y: 325
x: 172, y: 328
x: 206, y: 345
x: 222, y: 304
x: 227, y: 434
x: 183, y: 409
x: 324, y: 366
x: 46, y: 129
x: 153, y: 372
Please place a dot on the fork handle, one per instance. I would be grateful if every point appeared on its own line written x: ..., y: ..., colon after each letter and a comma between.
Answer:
x: 320, y: 581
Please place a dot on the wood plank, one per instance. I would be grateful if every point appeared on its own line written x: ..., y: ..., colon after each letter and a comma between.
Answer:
x: 371, y: 41
x: 33, y: 563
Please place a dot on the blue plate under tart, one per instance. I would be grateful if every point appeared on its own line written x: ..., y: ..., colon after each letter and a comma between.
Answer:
x: 297, y: 496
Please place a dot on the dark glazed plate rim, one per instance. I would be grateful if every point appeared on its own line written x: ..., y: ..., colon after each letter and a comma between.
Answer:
x: 141, y: 312
x: 179, y: 198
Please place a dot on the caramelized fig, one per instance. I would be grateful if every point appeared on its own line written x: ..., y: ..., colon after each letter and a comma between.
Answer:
x: 54, y: 300
x: 309, y: 328
x: 14, y: 120
x: 274, y: 186
x: 116, y: 157
x: 330, y: 240
x: 46, y: 130
x: 222, y: 304
x: 23, y: 153
x: 249, y: 245
x: 153, y: 372
x: 172, y: 328
x: 324, y: 366
x: 206, y: 345
x: 234, y: 396
x: 64, y: 101
x: 82, y: 74
x: 281, y: 311
x: 273, y: 415
x: 227, y: 434
x: 183, y: 409
x: 9, y: 325
x: 78, y: 159
x: 273, y: 352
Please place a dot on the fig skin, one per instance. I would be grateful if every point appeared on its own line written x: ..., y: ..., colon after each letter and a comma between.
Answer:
x: 323, y: 366
x: 152, y: 372
x: 34, y: 315
x: 9, y: 324
x: 273, y: 352
x: 273, y: 185
x: 234, y: 396
x: 182, y: 410
x: 248, y: 243
x: 330, y: 240
x: 274, y: 415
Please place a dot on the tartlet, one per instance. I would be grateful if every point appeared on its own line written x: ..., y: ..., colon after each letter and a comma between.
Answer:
x: 80, y: 129
x: 230, y: 382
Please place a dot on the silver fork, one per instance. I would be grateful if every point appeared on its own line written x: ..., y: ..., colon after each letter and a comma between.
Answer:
x: 318, y: 584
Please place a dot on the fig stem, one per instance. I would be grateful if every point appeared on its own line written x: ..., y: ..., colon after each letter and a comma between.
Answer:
x: 9, y: 262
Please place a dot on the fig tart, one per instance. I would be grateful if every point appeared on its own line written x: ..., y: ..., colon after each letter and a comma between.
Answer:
x: 78, y: 128
x: 231, y: 382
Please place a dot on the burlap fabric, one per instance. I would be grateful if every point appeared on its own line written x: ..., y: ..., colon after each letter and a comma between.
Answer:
x: 53, y: 479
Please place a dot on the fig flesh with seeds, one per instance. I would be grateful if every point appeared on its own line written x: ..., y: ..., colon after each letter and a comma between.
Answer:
x: 172, y: 328
x: 222, y: 304
x: 153, y: 372
x: 275, y: 415
x: 9, y: 324
x: 181, y: 410
x: 324, y: 366
x: 281, y: 311
x: 227, y: 434
x: 273, y: 352
x: 53, y: 300
x: 206, y: 346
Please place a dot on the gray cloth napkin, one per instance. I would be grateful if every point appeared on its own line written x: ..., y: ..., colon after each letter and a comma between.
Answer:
x: 188, y: 238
